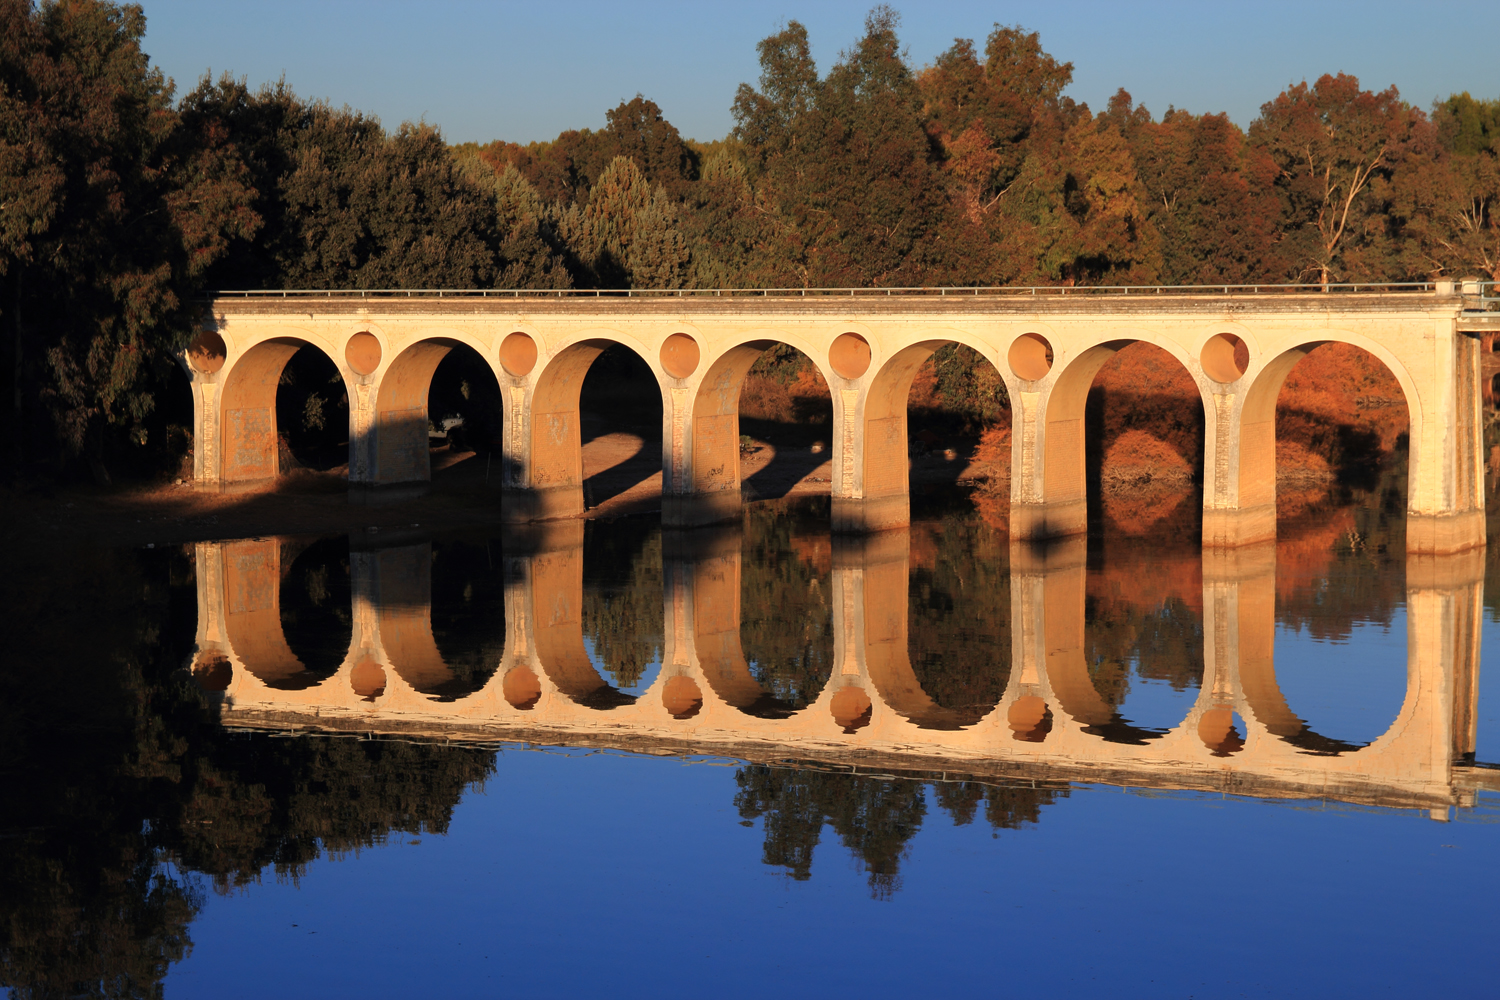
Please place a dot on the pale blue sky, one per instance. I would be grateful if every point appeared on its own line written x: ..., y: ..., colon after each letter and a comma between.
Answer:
x: 525, y: 71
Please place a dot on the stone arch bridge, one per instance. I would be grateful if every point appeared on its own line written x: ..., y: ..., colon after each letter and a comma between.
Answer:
x: 1237, y: 343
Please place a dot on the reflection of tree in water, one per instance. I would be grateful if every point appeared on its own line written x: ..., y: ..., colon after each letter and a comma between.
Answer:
x: 874, y: 818
x: 622, y: 596
x: 118, y: 785
x: 468, y: 610
x: 786, y: 610
x: 1164, y: 642
x: 1341, y: 565
x: 959, y: 625
x: 1005, y: 807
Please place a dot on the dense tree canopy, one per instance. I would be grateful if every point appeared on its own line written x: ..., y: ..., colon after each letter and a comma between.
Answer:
x: 120, y: 205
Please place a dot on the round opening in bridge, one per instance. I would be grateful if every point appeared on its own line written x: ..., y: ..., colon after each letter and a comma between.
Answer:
x: 207, y: 351
x: 521, y: 688
x: 367, y: 679
x: 681, y: 697
x: 1225, y: 358
x: 1218, y: 732
x: 851, y: 709
x: 1030, y: 357
x: 849, y: 356
x: 679, y: 355
x: 518, y: 354
x: 1030, y: 719
x: 213, y: 672
x: 363, y: 353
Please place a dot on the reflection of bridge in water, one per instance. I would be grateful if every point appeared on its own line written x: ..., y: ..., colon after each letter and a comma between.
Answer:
x: 1240, y: 736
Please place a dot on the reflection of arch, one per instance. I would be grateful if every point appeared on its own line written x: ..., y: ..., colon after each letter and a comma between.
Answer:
x: 252, y: 615
x: 1064, y: 485
x: 1257, y: 451
x: 1063, y: 577
x: 1251, y: 578
x: 556, y: 451
x: 557, y: 609
x: 248, y: 409
x: 878, y: 566
x: 402, y: 595
x: 708, y: 562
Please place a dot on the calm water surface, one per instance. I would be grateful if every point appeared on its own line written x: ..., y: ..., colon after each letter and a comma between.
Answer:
x: 758, y: 760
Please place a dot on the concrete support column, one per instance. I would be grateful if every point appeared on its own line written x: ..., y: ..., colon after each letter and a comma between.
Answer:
x: 871, y: 464
x: 363, y: 439
x: 541, y: 460
x: 700, y: 451
x: 1239, y: 470
x: 1046, y: 503
x: 1445, y: 499
x: 206, y: 450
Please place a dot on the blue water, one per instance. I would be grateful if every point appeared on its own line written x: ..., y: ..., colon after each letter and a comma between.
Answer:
x: 573, y: 873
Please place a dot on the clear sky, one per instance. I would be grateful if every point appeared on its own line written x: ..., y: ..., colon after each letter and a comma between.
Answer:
x: 526, y: 71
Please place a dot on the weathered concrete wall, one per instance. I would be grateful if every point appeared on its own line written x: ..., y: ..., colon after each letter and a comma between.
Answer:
x: 1047, y: 349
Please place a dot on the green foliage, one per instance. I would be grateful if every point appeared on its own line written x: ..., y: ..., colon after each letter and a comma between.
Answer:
x: 115, y: 207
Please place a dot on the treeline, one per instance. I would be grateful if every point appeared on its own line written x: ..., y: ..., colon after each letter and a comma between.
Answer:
x: 122, y: 204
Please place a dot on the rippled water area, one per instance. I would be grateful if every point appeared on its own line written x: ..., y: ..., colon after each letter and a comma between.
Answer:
x: 595, y: 758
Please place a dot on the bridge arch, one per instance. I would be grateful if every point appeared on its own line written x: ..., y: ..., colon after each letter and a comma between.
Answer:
x: 1062, y: 488
x: 883, y: 477
x: 716, y: 418
x: 555, y: 451
x: 1256, y: 472
x: 398, y: 448
x: 248, y: 433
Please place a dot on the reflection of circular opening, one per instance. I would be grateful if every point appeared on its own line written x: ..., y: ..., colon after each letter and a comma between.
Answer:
x: 679, y: 355
x: 521, y: 688
x: 849, y: 356
x: 367, y: 679
x: 1030, y: 719
x: 1030, y: 356
x: 851, y: 709
x: 681, y: 697
x: 1217, y: 730
x: 363, y: 353
x: 206, y: 352
x: 213, y: 672
x: 518, y: 354
x: 1225, y: 358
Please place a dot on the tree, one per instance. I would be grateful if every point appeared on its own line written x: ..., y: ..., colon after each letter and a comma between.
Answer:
x: 627, y: 234
x: 1335, y: 148
x: 846, y: 160
x: 115, y: 209
x: 1208, y: 194
x: 1450, y: 201
x: 347, y: 206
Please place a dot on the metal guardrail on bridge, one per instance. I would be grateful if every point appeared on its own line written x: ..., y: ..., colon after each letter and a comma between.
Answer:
x: 1000, y: 291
